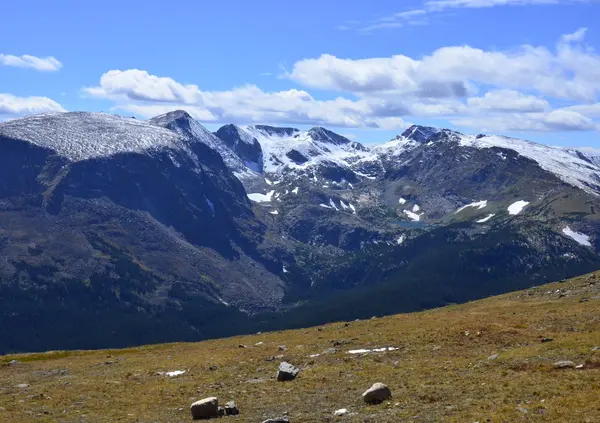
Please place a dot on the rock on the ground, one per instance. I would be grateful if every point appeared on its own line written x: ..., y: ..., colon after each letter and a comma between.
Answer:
x: 205, y: 408
x: 14, y: 362
x: 287, y: 372
x: 22, y: 386
x: 564, y: 364
x: 340, y: 412
x: 231, y: 409
x: 282, y: 348
x: 283, y: 419
x: 377, y: 393
x: 493, y: 357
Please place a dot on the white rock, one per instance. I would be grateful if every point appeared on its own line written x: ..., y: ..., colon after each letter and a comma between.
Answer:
x: 340, y: 412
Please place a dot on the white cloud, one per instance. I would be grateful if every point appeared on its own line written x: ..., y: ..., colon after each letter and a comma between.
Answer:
x: 432, y: 7
x: 514, y: 90
x: 26, y: 61
x: 589, y: 110
x: 508, y: 101
x: 13, y: 106
x: 476, y: 4
x: 555, y: 121
x: 577, y: 36
x: 138, y: 84
x: 572, y: 72
x: 148, y: 95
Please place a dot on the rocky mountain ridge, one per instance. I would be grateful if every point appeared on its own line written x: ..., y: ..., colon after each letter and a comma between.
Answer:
x: 165, y: 225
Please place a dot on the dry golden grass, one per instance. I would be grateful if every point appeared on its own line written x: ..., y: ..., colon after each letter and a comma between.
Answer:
x: 441, y: 371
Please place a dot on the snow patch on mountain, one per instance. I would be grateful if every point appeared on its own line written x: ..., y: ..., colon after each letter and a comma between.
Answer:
x: 485, y: 219
x: 479, y: 205
x: 413, y: 216
x: 581, y: 239
x: 517, y: 207
x: 261, y: 198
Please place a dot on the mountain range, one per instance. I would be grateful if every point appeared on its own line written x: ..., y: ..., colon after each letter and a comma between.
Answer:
x: 116, y: 231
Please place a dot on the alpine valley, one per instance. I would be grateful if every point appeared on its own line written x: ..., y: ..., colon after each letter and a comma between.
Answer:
x: 118, y: 232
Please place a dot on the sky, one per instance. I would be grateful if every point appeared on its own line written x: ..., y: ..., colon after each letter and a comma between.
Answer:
x: 367, y: 70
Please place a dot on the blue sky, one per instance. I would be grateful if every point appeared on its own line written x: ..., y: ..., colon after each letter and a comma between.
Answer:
x: 525, y: 68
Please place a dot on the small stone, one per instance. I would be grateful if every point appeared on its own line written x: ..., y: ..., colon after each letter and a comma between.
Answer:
x: 330, y: 351
x: 564, y: 364
x: 22, y: 386
x: 14, y: 362
x: 493, y: 357
x: 522, y: 410
x: 242, y: 346
x: 340, y: 412
x: 205, y: 408
x: 377, y: 393
x: 282, y: 348
x: 287, y: 372
x: 580, y: 367
x: 283, y: 419
x: 544, y: 340
x: 231, y: 409
x: 595, y: 349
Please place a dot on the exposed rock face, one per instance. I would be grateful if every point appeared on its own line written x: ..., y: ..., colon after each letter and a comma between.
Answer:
x: 377, y: 393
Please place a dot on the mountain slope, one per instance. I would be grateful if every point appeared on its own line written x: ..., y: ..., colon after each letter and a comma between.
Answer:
x: 154, y: 231
x: 105, y: 219
x: 482, y: 361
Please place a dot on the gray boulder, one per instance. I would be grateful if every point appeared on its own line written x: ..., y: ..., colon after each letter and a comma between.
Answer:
x: 205, y: 408
x: 377, y: 393
x: 231, y: 409
x: 287, y: 372
x: 283, y: 419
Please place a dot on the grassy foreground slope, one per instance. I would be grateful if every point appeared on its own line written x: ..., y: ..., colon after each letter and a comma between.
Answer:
x: 445, y: 369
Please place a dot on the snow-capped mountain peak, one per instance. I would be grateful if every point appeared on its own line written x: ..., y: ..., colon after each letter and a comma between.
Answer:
x: 182, y: 123
x: 82, y: 135
x: 420, y: 133
x: 290, y: 148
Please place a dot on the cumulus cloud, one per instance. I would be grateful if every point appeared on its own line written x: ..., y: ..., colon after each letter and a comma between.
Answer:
x: 136, y: 84
x: 569, y: 72
x: 556, y: 120
x: 13, y: 106
x: 148, y: 95
x: 508, y: 101
x: 44, y: 64
x: 514, y: 90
